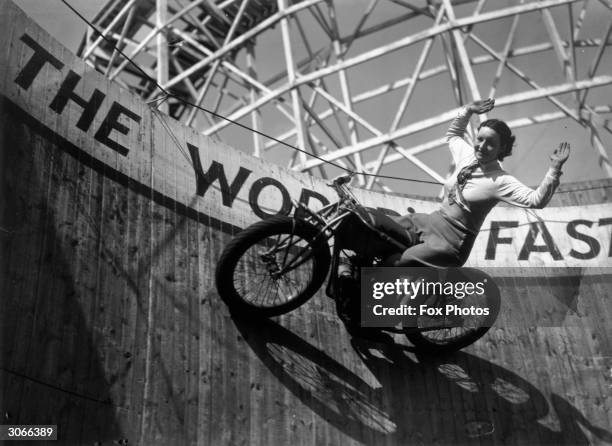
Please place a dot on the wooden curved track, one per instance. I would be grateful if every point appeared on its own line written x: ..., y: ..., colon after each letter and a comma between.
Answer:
x: 112, y: 329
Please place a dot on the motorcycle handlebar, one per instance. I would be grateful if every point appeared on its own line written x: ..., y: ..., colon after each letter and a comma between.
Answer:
x: 343, y: 179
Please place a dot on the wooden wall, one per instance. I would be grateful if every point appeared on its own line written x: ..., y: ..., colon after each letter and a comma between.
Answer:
x: 111, y: 327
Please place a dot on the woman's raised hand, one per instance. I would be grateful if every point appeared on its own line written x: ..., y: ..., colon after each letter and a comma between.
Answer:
x: 560, y: 155
x: 482, y: 106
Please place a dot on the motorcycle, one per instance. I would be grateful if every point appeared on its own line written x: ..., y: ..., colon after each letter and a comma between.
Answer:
x: 276, y: 265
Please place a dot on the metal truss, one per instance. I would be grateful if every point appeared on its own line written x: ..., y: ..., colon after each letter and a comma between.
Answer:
x: 299, y: 70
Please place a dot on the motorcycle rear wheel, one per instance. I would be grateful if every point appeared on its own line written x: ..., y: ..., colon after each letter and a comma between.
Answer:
x: 444, y: 334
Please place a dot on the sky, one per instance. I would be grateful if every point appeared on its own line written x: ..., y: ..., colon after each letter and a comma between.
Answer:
x: 534, y: 145
x: 58, y: 20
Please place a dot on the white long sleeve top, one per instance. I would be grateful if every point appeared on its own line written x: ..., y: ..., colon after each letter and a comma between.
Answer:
x: 489, y: 183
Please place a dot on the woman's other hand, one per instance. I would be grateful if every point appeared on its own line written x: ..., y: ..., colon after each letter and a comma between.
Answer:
x: 560, y: 155
x: 481, y: 106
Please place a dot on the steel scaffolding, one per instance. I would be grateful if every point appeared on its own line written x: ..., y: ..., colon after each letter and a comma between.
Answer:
x: 298, y: 70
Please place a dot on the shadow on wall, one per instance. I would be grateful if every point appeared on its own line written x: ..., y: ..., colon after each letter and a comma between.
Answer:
x: 53, y: 360
x: 459, y: 398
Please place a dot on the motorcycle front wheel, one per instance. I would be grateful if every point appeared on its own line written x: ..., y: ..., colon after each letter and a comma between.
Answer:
x: 272, y: 267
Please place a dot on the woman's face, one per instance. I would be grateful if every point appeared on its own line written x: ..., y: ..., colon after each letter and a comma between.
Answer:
x: 487, y: 145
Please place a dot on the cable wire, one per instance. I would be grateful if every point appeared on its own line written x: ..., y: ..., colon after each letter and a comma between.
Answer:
x: 168, y: 94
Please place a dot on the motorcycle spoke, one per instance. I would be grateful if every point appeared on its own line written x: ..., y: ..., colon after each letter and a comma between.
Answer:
x: 445, y: 329
x: 261, y: 279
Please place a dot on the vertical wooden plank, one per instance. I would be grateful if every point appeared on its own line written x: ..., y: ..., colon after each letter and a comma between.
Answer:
x: 69, y: 321
x: 156, y: 395
x: 193, y: 333
x: 139, y: 255
x: 39, y: 175
x: 210, y: 241
x: 21, y: 239
x: 166, y: 289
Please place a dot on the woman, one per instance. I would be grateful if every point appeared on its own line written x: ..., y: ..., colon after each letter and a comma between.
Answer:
x: 446, y: 236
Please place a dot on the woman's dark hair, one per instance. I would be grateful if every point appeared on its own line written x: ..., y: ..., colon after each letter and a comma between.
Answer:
x: 506, y: 138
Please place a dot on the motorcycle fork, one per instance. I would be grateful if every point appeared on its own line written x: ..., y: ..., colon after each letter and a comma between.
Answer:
x: 303, y: 254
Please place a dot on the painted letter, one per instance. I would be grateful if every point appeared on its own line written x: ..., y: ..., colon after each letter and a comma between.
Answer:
x: 592, y: 242
x: 28, y: 73
x: 529, y: 246
x: 66, y: 92
x: 216, y: 172
x: 606, y: 222
x: 110, y: 123
x: 256, y: 189
x: 495, y: 239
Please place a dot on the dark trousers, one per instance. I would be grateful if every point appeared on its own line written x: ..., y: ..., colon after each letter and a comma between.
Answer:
x: 438, y: 241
